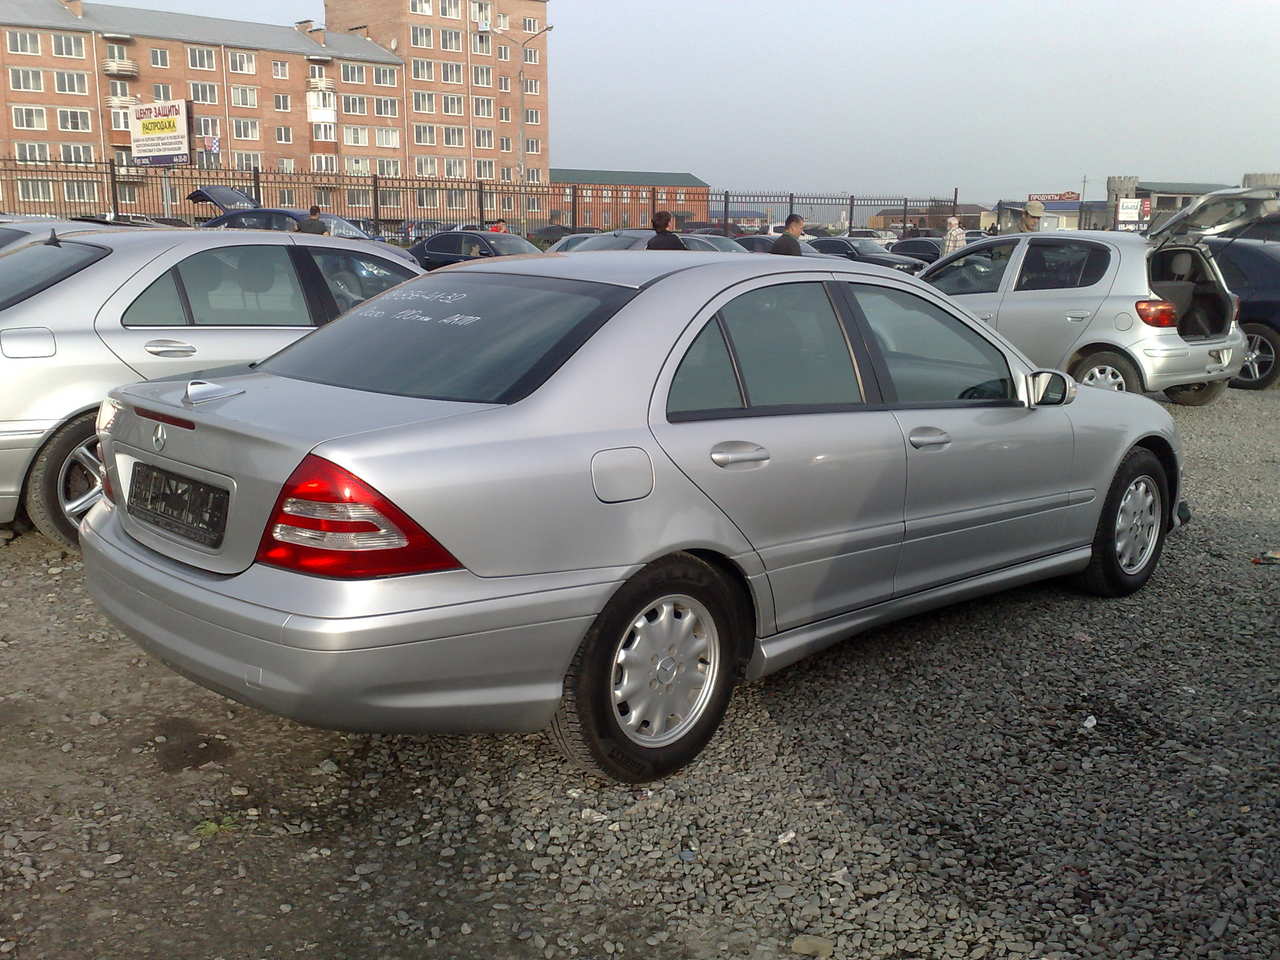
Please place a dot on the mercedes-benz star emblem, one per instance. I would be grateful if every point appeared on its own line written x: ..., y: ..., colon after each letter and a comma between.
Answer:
x: 158, y: 437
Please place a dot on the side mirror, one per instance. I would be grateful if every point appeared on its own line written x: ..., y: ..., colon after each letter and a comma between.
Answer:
x: 1050, y: 388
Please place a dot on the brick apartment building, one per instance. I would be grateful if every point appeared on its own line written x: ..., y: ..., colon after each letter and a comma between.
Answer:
x: 612, y: 199
x: 400, y: 88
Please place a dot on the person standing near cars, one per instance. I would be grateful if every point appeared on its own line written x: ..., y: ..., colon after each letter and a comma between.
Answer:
x: 1029, y: 220
x: 498, y: 226
x: 788, y: 244
x: 954, y: 239
x: 313, y: 223
x: 663, y: 237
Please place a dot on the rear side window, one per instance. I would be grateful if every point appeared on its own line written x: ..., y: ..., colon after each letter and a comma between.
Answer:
x: 159, y: 305
x: 479, y: 339
x: 251, y: 286
x: 705, y: 379
x: 26, y: 271
x: 1062, y: 264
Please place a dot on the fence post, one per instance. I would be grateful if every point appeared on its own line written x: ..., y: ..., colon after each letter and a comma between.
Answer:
x: 480, y: 203
x: 257, y: 186
x: 653, y: 201
x: 904, y: 216
x: 849, y: 232
x: 573, y: 209
x: 955, y: 201
x: 115, y: 189
x: 377, y: 207
x: 726, y: 213
x: 791, y: 204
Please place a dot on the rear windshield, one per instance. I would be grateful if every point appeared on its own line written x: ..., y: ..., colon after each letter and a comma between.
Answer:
x: 343, y: 228
x: 26, y: 271
x: 607, y: 241
x: 10, y: 236
x: 479, y: 338
x: 507, y: 245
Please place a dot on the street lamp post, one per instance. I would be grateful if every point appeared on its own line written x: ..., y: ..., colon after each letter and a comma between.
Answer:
x: 524, y: 173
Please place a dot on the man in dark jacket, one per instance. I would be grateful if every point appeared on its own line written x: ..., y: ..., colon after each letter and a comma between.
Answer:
x: 788, y: 245
x: 663, y: 238
x: 313, y: 224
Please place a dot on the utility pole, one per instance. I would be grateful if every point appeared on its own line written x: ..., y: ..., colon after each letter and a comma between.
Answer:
x: 524, y: 173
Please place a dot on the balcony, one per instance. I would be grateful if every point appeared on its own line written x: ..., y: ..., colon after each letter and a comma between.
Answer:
x: 121, y: 103
x: 321, y: 84
x: 126, y: 69
x: 130, y: 173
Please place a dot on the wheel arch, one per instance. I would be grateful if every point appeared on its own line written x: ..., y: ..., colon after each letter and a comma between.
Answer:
x: 745, y: 640
x: 1163, y: 451
x: 1100, y: 346
x: 45, y: 441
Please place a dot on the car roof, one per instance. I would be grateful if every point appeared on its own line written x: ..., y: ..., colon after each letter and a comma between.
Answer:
x: 638, y: 268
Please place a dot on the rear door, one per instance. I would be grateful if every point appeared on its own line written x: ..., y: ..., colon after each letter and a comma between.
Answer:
x: 199, y: 307
x: 766, y: 405
x: 977, y: 279
x: 1060, y: 285
x: 442, y: 249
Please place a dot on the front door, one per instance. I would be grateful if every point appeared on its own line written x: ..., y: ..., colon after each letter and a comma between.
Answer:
x: 987, y: 477
x: 763, y: 406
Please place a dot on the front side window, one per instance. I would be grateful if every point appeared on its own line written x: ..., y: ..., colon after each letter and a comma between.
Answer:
x: 930, y: 356
x: 976, y: 272
x: 1062, y: 264
x: 249, y: 286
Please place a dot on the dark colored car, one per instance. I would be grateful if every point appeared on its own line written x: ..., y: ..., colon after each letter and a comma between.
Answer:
x: 1264, y: 228
x: 763, y: 243
x: 867, y: 251
x: 927, y: 249
x: 459, y: 246
x: 554, y: 231
x: 638, y: 239
x: 1252, y: 271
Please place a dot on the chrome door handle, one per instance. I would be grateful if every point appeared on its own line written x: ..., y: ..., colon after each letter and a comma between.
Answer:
x: 168, y: 348
x: 1077, y: 315
x: 734, y: 452
x: 986, y: 316
x: 928, y: 437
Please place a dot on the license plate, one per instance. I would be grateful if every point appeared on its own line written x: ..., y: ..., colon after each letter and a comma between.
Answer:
x: 191, y: 509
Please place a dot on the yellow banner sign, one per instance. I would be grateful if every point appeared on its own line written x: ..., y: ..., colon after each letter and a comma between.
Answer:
x: 159, y: 126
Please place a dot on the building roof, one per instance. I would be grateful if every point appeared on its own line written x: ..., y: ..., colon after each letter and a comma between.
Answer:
x: 941, y: 207
x: 1178, y: 186
x: 212, y: 31
x: 626, y: 178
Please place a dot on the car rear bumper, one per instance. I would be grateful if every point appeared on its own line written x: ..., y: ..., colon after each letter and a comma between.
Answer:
x: 1191, y: 361
x: 505, y: 677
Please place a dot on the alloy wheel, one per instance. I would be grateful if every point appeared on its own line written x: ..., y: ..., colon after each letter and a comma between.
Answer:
x: 1259, y: 358
x: 80, y: 481
x: 1137, y: 524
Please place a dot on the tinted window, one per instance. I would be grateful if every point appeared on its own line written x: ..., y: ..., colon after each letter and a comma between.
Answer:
x: 867, y: 247
x: 705, y: 379
x: 1232, y: 269
x: 697, y: 243
x: 10, y: 236
x: 607, y: 241
x: 445, y: 243
x: 473, y: 246
x: 27, y: 270
x: 251, y: 286
x: 507, y: 245
x: 914, y: 247
x: 1060, y: 264
x: 353, y: 278
x: 249, y: 221
x: 790, y: 347
x: 341, y: 228
x: 282, y: 221
x: 931, y: 356
x: 976, y: 272
x: 479, y: 338
x: 830, y: 246
x: 157, y: 306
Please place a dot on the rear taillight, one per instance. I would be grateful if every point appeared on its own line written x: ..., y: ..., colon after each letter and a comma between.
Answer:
x: 104, y: 474
x: 330, y: 523
x: 1157, y: 313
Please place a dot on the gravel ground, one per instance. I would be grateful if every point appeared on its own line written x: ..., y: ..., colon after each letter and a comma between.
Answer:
x: 1040, y: 774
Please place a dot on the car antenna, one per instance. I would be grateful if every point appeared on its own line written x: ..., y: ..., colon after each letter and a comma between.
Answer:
x: 53, y: 240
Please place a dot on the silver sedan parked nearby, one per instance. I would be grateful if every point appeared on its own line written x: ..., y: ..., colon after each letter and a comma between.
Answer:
x: 591, y: 492
x: 90, y: 310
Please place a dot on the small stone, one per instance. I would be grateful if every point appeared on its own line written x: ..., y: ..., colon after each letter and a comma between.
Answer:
x: 96, y: 719
x: 810, y: 946
x: 113, y: 858
x: 286, y: 907
x: 238, y: 791
x: 784, y: 891
x: 465, y: 928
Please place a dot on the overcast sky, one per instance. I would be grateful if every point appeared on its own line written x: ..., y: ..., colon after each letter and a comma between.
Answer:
x: 908, y: 96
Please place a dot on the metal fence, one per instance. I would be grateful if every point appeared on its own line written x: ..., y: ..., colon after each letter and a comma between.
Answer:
x: 407, y: 206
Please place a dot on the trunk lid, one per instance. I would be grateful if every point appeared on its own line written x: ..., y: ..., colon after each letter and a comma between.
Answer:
x: 224, y: 198
x: 246, y: 435
x: 1218, y: 212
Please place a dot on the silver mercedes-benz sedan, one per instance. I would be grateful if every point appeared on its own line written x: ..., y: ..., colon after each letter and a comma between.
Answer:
x: 590, y: 493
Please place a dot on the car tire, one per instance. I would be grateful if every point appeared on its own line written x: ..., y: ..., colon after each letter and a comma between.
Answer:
x: 64, y: 480
x: 1131, y: 529
x: 628, y: 653
x: 1107, y: 370
x: 1197, y: 394
x: 1263, y: 345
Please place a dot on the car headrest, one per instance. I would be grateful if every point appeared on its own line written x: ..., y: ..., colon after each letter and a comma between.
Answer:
x: 1180, y: 265
x: 256, y: 274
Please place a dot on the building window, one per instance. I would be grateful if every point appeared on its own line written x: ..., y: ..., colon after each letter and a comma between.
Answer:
x: 534, y: 145
x: 200, y: 58
x: 390, y: 198
x: 505, y: 174
x: 159, y: 58
x: 483, y: 138
x: 481, y: 11
x: 427, y: 199
x: 482, y: 107
x: 243, y: 160
x: 455, y: 199
x: 504, y: 84
x: 388, y: 167
x: 324, y: 163
x: 451, y: 40
x: 356, y: 106
x: 424, y: 102
x: 504, y: 144
x: 532, y: 85
x: 420, y: 36
x: 162, y: 91
x: 244, y: 128
x: 504, y: 22
x: 24, y: 41
x: 424, y: 134
x: 31, y: 152
x: 119, y: 119
x: 116, y: 88
x: 420, y: 6
x: 315, y: 71
x: 358, y: 166
x: 35, y: 191
x: 680, y: 196
x: 207, y: 126
x: 208, y: 160
x: 282, y: 102
x: 504, y: 114
x: 482, y: 43
x: 68, y: 45
x: 387, y: 137
x: 484, y: 169
x: 482, y: 76
x: 532, y: 116
x: 355, y: 136
x: 530, y: 25
x: 66, y: 81
x: 283, y: 134
x: 455, y: 168
x: 244, y: 96
x: 451, y: 73
x: 423, y: 69
x: 504, y: 52
x: 386, y: 107
x: 325, y: 132
x: 425, y: 167
x: 384, y: 76
x: 586, y: 218
x: 453, y: 105
x: 240, y: 62
x: 287, y: 194
x: 508, y: 202
x: 22, y: 79
x: 533, y: 204
x: 286, y: 165
x: 204, y: 92
x: 455, y: 137
x: 76, y: 121
x: 533, y: 176
x: 353, y: 73
x: 77, y: 153
x: 531, y: 55
x: 452, y: 9
x: 280, y: 69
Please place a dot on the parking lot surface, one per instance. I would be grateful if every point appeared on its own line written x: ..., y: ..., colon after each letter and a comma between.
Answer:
x: 1036, y: 774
